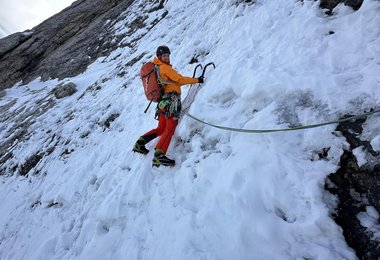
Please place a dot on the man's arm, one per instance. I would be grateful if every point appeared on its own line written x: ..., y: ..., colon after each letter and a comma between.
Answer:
x: 178, y: 78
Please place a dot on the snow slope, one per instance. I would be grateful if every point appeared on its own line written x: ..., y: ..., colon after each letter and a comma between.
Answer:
x: 231, y: 195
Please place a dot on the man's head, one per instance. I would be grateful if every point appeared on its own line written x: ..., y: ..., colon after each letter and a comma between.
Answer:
x: 163, y: 53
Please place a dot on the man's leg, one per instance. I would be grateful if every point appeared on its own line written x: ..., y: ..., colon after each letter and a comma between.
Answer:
x: 149, y: 136
x: 163, y: 144
x: 167, y: 135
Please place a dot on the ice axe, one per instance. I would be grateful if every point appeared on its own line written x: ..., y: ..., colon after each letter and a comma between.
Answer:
x: 195, y: 69
x: 204, y: 69
x: 191, y: 94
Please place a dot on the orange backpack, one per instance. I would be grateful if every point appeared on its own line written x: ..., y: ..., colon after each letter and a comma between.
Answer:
x: 153, y: 90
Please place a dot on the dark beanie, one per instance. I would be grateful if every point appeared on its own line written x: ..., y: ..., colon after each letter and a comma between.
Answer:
x: 162, y: 49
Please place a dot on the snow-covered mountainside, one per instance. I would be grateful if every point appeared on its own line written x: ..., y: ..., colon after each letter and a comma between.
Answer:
x: 71, y: 187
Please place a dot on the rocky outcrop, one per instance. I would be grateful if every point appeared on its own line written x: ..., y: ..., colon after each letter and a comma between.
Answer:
x: 62, y: 46
x: 65, y: 90
x: 357, y: 187
x: 331, y: 4
x: 65, y: 44
x: 19, y: 129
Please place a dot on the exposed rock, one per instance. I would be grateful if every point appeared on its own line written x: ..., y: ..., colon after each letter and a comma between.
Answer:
x: 245, y: 1
x: 65, y: 90
x: 19, y: 130
x: 331, y: 4
x: 356, y: 188
x: 30, y: 164
x: 65, y: 44
x: 54, y: 204
x: 62, y: 46
x: 2, y: 93
x: 13, y: 41
x: 110, y: 119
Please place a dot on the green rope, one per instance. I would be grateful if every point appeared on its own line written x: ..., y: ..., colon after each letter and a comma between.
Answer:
x: 284, y: 129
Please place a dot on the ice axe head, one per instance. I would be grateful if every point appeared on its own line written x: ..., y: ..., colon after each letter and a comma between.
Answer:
x: 195, y: 69
x: 204, y: 69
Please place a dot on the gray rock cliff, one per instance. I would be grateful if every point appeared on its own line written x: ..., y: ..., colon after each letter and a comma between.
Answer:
x: 63, y: 45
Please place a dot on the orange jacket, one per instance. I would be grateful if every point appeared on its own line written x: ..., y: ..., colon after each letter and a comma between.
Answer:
x: 167, y: 73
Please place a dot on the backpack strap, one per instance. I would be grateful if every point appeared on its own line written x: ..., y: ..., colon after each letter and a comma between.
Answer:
x: 159, y: 79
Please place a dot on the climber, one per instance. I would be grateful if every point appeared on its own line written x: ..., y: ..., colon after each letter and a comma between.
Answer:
x: 168, y: 109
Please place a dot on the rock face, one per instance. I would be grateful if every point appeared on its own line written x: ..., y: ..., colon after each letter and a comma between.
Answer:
x: 62, y: 46
x: 331, y: 4
x: 356, y: 187
x: 65, y: 44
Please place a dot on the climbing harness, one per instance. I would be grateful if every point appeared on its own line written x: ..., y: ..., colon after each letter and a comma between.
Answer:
x: 170, y: 104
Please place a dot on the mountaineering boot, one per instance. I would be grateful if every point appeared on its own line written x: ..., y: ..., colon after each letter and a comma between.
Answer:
x: 140, y: 146
x: 161, y: 159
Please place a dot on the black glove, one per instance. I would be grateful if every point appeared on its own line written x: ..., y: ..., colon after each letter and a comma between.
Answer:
x: 201, y: 79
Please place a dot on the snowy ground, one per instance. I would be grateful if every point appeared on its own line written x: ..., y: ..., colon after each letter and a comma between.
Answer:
x: 232, y: 195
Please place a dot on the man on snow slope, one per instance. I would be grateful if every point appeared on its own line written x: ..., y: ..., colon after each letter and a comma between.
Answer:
x: 168, y: 109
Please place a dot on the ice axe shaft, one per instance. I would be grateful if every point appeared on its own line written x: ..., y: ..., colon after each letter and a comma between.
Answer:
x: 195, y: 69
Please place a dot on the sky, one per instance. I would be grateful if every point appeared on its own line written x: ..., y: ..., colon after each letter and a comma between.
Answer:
x: 20, y: 15
x: 231, y: 195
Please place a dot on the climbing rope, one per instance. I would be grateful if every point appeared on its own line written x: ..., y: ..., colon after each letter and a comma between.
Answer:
x: 284, y: 129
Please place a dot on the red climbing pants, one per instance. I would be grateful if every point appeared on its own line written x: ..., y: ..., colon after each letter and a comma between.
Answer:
x: 165, y: 129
